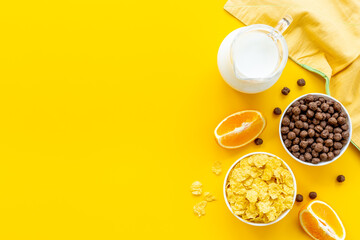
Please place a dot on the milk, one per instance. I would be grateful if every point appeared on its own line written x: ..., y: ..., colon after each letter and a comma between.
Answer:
x: 251, y: 61
x: 254, y: 55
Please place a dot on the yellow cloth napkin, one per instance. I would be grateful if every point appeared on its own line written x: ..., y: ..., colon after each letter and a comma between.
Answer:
x: 324, y: 38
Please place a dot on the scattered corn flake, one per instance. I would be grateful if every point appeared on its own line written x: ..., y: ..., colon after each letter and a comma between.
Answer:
x: 216, y: 168
x: 196, y: 188
x: 260, y: 188
x: 199, y: 208
x: 209, y: 197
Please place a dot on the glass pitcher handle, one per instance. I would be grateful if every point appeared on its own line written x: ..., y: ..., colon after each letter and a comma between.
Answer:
x: 282, y: 25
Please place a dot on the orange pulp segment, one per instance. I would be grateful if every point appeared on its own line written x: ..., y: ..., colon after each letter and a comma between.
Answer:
x: 321, y: 222
x: 239, y: 128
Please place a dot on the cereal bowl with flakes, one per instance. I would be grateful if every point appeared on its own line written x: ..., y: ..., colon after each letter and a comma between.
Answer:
x: 260, y: 189
x: 315, y: 129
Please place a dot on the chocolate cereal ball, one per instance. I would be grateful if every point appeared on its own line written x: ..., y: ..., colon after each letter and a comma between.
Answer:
x: 315, y: 129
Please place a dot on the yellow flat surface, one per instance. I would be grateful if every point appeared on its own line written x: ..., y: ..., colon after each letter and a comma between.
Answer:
x: 107, y: 116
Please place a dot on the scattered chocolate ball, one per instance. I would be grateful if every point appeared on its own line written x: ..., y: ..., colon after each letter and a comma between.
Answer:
x: 301, y: 82
x: 340, y: 178
x: 285, y: 91
x: 312, y: 195
x: 277, y: 111
x: 258, y: 141
x: 299, y: 198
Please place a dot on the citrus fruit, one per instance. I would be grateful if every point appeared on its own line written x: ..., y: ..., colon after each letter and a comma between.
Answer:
x: 321, y: 222
x: 239, y: 128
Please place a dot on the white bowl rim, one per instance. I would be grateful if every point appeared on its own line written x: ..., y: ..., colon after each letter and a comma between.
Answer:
x: 252, y: 223
x: 342, y: 150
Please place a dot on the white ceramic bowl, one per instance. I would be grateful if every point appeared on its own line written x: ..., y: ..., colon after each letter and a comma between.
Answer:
x: 344, y: 147
x: 252, y: 223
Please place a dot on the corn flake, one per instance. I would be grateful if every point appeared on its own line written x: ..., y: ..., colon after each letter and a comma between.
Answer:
x: 199, y: 208
x: 209, y: 197
x: 260, y: 188
x: 252, y: 196
x: 216, y: 168
x: 196, y: 188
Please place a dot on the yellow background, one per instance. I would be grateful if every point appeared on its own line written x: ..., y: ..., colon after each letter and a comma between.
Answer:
x: 107, y: 116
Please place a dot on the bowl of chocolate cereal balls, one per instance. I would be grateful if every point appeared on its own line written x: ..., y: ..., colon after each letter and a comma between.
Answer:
x: 315, y: 129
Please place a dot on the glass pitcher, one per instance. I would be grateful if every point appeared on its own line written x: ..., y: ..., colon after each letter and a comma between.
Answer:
x: 251, y: 59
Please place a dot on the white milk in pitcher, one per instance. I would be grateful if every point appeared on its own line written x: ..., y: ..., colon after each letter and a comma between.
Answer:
x: 254, y: 55
x: 251, y: 59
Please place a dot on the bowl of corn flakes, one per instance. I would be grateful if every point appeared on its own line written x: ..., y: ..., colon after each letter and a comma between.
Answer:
x: 260, y: 189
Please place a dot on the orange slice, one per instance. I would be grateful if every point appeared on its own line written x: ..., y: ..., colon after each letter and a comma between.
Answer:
x: 239, y: 128
x: 321, y: 222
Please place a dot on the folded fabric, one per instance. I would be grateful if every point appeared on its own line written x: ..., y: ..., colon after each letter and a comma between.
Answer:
x: 324, y: 38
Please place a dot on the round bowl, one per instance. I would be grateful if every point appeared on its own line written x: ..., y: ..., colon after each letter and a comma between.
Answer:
x: 344, y: 147
x: 281, y: 215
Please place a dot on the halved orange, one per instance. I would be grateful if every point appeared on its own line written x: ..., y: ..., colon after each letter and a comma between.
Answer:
x: 321, y: 222
x: 239, y: 128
